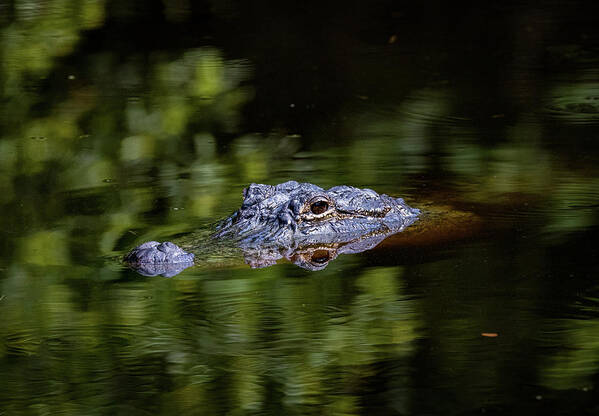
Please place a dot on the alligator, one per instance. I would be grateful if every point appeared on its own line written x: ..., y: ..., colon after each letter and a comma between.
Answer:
x: 300, y: 222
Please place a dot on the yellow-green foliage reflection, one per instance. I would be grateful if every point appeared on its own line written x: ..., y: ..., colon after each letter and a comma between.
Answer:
x: 577, y: 361
x: 260, y: 332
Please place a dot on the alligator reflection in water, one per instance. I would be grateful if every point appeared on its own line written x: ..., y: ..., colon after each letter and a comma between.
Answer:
x: 300, y: 222
x: 312, y: 257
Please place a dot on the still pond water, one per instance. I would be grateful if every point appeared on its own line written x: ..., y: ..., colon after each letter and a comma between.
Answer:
x: 121, y: 124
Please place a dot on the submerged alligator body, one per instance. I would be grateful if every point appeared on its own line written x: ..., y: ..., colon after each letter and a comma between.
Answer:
x: 301, y: 222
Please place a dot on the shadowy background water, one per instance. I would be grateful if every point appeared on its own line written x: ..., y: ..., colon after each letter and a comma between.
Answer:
x: 124, y: 121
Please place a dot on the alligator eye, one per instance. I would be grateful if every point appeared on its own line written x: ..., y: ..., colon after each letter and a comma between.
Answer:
x: 319, y: 207
x: 320, y: 257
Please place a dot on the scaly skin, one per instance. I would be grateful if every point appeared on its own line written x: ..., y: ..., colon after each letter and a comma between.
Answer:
x: 298, y: 221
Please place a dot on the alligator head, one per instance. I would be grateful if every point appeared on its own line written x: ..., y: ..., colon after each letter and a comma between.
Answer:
x: 302, y: 222
x: 292, y: 214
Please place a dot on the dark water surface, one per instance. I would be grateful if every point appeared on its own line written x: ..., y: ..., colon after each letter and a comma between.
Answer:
x: 122, y: 122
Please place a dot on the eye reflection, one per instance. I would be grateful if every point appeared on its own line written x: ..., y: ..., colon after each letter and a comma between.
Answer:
x: 320, y: 257
x: 319, y: 207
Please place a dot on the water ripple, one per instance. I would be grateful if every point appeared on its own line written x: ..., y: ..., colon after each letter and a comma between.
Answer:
x: 578, y: 104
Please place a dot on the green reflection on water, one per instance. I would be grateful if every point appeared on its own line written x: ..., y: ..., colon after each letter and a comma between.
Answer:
x: 102, y: 149
x: 576, y: 361
x: 162, y: 340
